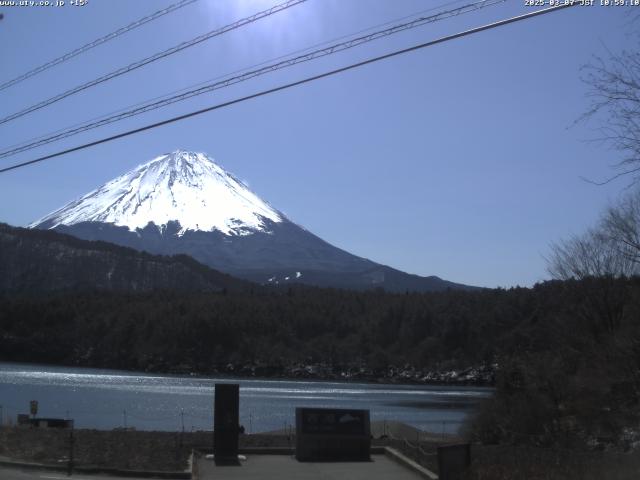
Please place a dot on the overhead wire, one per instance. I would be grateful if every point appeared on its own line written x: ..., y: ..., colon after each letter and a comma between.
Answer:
x: 157, y: 56
x: 34, y: 141
x: 95, y: 43
x: 247, y: 75
x: 352, y: 66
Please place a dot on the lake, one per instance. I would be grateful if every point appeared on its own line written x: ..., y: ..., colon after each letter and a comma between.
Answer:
x: 106, y: 399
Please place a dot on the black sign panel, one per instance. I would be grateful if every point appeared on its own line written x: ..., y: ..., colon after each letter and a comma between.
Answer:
x: 331, y: 434
x: 226, y: 420
x: 333, y: 421
x: 453, y: 461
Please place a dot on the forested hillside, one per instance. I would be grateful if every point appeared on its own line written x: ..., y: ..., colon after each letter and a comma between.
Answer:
x: 37, y: 261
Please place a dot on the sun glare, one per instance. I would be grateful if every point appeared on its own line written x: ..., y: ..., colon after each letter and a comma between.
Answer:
x: 278, y: 30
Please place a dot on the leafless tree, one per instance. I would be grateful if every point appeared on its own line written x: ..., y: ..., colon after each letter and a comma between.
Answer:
x: 621, y: 225
x: 598, y: 258
x: 592, y: 254
x: 611, y: 248
x: 615, y: 97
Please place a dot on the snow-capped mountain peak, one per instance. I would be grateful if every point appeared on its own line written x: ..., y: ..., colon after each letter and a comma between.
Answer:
x: 181, y: 186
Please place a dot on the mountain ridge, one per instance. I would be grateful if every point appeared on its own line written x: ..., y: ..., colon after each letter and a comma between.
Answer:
x: 185, y: 203
x: 37, y: 261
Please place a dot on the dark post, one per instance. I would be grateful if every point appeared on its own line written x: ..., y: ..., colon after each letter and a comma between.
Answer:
x: 226, y: 421
x: 70, y: 464
x: 453, y: 461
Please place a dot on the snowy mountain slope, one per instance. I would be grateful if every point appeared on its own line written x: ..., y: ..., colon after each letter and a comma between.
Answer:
x: 184, y: 203
x: 181, y: 186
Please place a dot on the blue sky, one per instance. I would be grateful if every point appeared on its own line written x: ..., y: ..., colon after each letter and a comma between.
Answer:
x: 461, y: 160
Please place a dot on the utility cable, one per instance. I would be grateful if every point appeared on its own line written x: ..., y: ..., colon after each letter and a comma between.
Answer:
x: 49, y: 137
x: 145, y: 61
x: 95, y: 43
x: 352, y: 66
x: 289, y: 62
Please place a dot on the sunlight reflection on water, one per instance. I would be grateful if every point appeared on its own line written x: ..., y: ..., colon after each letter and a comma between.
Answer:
x: 98, y: 399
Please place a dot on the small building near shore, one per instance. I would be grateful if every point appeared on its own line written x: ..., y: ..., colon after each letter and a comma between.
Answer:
x: 25, y: 420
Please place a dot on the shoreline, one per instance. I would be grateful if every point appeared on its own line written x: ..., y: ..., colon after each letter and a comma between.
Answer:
x: 451, y: 378
x: 187, y: 400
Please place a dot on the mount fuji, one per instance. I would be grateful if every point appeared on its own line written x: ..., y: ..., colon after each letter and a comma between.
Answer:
x: 185, y: 203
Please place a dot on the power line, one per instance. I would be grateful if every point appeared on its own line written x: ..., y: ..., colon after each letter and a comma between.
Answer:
x: 289, y: 62
x: 153, y: 58
x: 95, y: 43
x: 352, y: 66
x: 47, y: 138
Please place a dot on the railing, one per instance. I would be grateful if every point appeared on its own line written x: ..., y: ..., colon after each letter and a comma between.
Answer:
x: 422, y: 447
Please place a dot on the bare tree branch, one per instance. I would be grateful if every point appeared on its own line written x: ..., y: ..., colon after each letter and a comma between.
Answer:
x: 615, y: 101
x: 612, y: 248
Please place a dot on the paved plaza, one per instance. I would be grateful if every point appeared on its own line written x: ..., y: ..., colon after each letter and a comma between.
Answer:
x: 278, y: 467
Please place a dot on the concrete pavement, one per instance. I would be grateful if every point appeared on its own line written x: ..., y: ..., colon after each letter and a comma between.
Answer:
x: 278, y: 467
x: 31, y: 474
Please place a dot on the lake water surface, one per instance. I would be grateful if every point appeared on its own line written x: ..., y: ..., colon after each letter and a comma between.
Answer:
x: 105, y: 399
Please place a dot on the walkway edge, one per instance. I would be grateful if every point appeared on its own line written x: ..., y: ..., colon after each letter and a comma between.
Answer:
x: 407, y: 462
x: 32, y: 466
x: 106, y: 470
